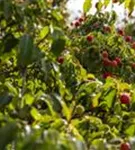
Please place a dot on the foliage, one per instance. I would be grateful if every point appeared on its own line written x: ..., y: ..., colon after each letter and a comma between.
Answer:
x: 55, y: 90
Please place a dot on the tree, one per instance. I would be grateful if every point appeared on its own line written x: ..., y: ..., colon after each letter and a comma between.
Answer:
x: 64, y: 88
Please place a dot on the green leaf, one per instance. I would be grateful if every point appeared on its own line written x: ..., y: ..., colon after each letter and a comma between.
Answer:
x: 95, y: 100
x: 44, y: 32
x: 106, y: 2
x: 29, y: 99
x: 7, y: 134
x: 35, y: 114
x: 66, y: 111
x: 131, y: 7
x: 5, y: 99
x: 9, y: 43
x: 99, y: 5
x: 11, y: 88
x: 57, y: 15
x: 50, y: 107
x: 130, y: 130
x: 76, y: 132
x: 59, y: 41
x: 7, y: 9
x: 109, y: 98
x: 58, y: 46
x: 57, y: 33
x: 99, y: 143
x: 87, y: 5
x: 25, y: 50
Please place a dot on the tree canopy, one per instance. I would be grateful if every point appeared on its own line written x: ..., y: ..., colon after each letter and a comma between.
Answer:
x: 61, y: 87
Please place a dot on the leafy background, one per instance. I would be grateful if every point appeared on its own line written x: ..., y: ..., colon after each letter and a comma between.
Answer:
x: 52, y: 91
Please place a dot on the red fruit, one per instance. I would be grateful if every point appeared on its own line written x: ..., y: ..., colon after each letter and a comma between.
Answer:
x: 125, y: 146
x: 77, y: 23
x: 107, y: 74
x: 114, y: 63
x: 115, y: 1
x: 60, y: 59
x: 128, y: 38
x: 133, y: 65
x: 90, y: 38
x: 133, y: 45
x: 81, y: 19
x: 96, y: 25
x: 121, y: 32
x: 107, y: 62
x: 125, y: 98
x: 118, y: 60
x: 105, y: 54
x: 107, y: 28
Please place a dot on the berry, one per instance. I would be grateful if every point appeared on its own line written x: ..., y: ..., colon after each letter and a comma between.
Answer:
x: 107, y: 28
x: 118, y: 60
x: 81, y: 19
x: 96, y: 25
x: 121, y: 32
x: 125, y: 146
x: 90, y: 38
x: 128, y: 38
x: 107, y: 74
x: 77, y: 23
x: 115, y: 1
x: 106, y: 62
x: 133, y: 45
x: 114, y: 63
x: 125, y: 98
x: 105, y: 54
x: 133, y: 65
x: 60, y: 59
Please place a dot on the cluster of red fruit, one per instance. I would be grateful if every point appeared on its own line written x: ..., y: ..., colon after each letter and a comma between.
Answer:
x: 127, y: 38
x: 107, y: 62
x: 77, y: 22
x: 107, y: 29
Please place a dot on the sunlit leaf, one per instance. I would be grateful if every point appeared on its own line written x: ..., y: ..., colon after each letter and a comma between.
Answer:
x: 44, y: 32
x: 87, y: 5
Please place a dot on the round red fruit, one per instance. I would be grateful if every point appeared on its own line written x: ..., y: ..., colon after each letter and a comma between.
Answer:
x: 105, y: 54
x: 125, y: 146
x: 60, y: 59
x: 77, y: 23
x: 115, y: 1
x: 133, y: 65
x: 90, y: 38
x: 107, y: 74
x: 121, y: 32
x: 107, y: 28
x: 114, y: 63
x: 133, y: 45
x: 125, y: 98
x: 128, y: 39
x: 118, y: 60
x: 81, y: 19
x: 107, y: 62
